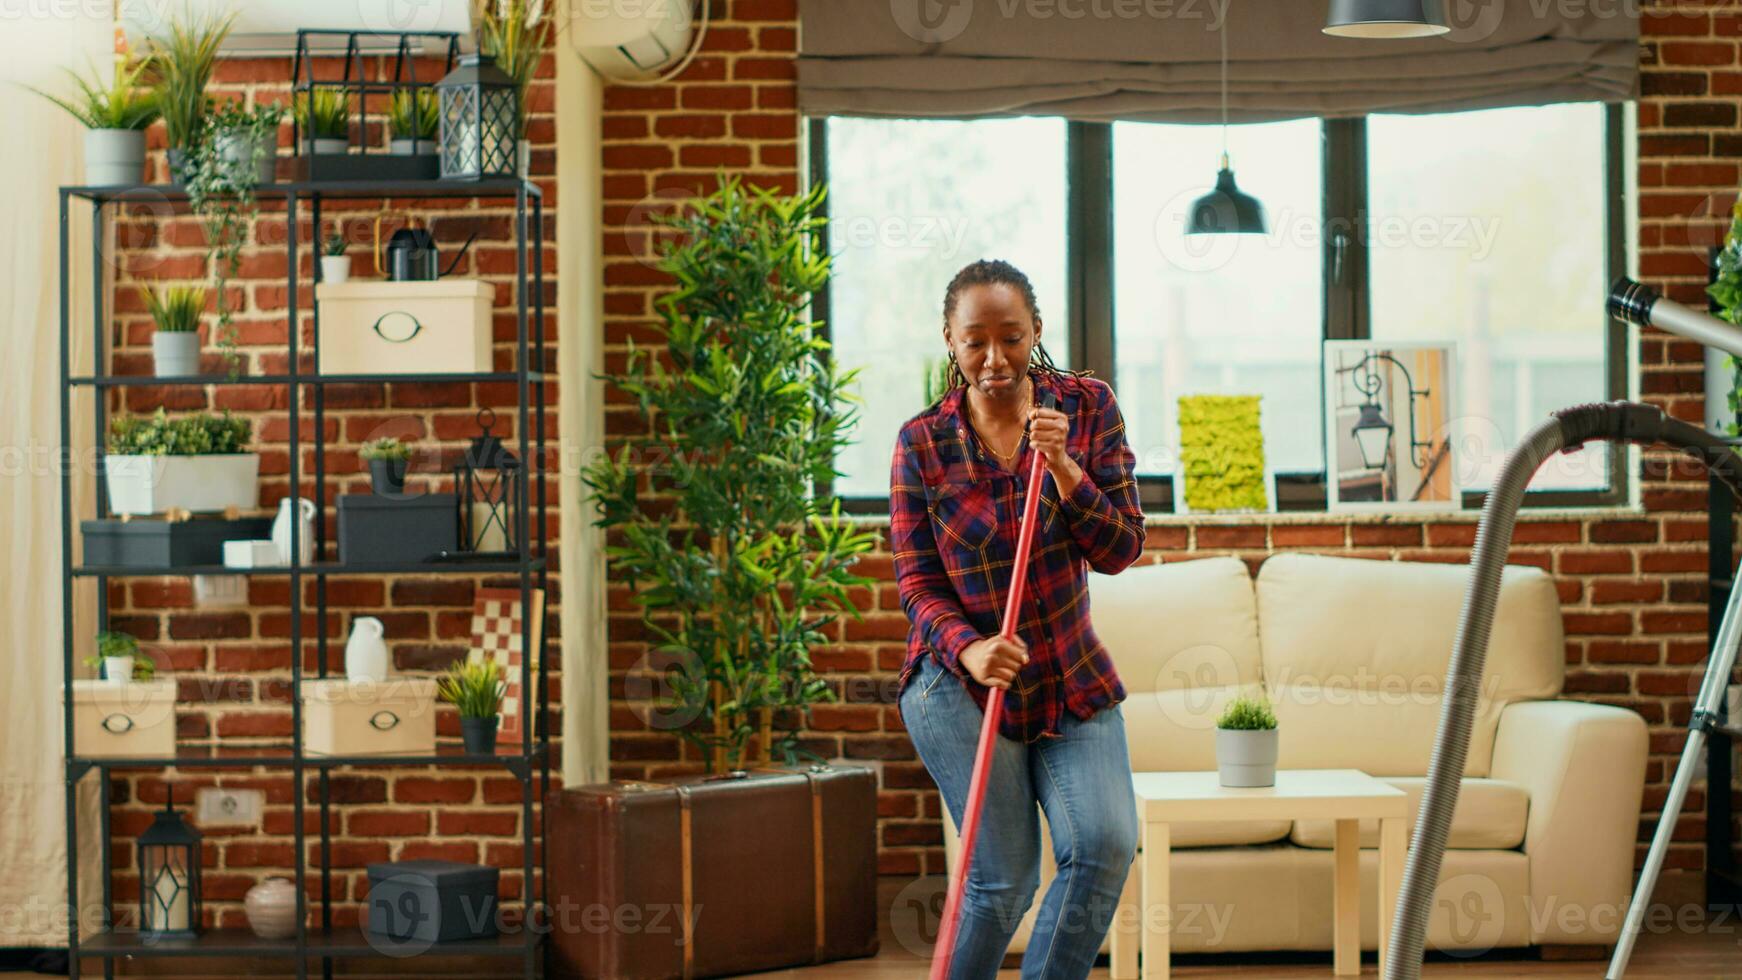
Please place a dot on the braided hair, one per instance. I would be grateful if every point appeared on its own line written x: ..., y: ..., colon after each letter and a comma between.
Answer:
x: 988, y: 272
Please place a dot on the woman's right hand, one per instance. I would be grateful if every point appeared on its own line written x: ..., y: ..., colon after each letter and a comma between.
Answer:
x: 994, y: 661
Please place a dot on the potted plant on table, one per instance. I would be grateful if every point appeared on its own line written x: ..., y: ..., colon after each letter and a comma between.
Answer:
x: 335, y: 264
x: 198, y: 462
x: 248, y: 138
x: 324, y: 115
x: 412, y: 122
x: 476, y: 688
x: 175, y: 344
x: 180, y: 67
x: 1246, y: 743
x: 115, y: 114
x: 387, y: 459
x: 118, y: 659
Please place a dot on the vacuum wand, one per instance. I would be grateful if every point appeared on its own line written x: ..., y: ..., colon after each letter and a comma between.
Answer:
x: 946, y: 944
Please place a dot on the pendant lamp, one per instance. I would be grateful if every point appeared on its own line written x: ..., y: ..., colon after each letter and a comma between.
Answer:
x: 1385, y: 18
x: 1226, y: 209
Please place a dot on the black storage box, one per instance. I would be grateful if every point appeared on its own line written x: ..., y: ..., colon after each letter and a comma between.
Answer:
x: 378, y: 530
x: 157, y: 543
x: 432, y: 901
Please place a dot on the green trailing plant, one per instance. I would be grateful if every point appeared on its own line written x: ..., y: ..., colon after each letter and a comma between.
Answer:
x: 1247, y: 715
x: 1726, y: 291
x: 475, y: 687
x: 179, y: 66
x: 201, y: 434
x: 515, y: 33
x: 123, y: 101
x: 220, y: 189
x: 740, y: 564
x: 175, y: 309
x: 258, y: 126
x: 323, y: 113
x: 1222, y: 453
x: 386, y: 447
x: 414, y: 114
x: 114, y: 643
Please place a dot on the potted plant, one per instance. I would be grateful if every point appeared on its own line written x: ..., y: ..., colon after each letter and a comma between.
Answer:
x: 248, y: 138
x: 193, y: 463
x: 754, y: 415
x: 1246, y: 743
x: 387, y: 460
x: 335, y: 264
x: 220, y: 182
x: 180, y: 67
x: 476, y: 688
x: 118, y: 659
x: 412, y: 121
x: 175, y: 344
x: 115, y: 114
x: 324, y: 115
x: 514, y: 33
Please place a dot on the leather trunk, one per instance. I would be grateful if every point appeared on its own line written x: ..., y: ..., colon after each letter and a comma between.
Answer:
x: 707, y: 876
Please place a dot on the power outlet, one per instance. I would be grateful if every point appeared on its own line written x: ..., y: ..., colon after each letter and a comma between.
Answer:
x: 220, y: 591
x: 219, y: 806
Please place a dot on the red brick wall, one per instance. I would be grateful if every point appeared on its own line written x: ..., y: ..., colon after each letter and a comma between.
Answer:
x: 233, y: 666
x: 1631, y: 584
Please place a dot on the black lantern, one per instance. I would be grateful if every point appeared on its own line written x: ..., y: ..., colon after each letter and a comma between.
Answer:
x: 487, y: 483
x: 169, y: 876
x: 479, y: 120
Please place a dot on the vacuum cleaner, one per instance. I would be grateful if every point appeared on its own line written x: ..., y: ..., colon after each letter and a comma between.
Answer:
x: 1563, y: 431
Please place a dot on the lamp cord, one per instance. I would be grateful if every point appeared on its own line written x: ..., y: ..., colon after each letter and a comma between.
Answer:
x: 1223, y: 34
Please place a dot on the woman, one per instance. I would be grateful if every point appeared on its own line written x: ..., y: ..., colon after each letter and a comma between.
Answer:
x: 958, y: 482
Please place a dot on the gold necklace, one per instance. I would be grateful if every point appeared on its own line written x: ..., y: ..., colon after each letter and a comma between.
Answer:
x: 1028, y: 403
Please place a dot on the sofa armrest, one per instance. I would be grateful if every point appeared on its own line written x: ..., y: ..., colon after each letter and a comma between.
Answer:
x: 1584, y: 768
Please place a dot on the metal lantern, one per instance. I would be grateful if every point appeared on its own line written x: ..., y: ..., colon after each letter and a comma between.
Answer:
x: 479, y: 120
x: 169, y: 875
x: 487, y: 483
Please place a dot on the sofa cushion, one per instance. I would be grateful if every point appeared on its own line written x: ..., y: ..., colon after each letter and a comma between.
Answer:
x: 1490, y: 816
x: 1355, y: 654
x: 1184, y: 639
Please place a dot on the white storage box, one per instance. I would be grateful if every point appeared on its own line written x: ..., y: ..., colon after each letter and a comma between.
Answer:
x: 391, y: 717
x: 129, y: 721
x: 158, y: 484
x: 382, y: 327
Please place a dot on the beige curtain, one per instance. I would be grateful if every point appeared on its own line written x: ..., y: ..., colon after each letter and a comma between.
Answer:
x: 43, y: 152
x: 1158, y: 60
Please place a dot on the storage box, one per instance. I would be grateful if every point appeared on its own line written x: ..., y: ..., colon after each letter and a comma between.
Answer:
x: 148, y: 543
x: 124, y: 721
x: 158, y: 484
x: 377, y: 530
x: 391, y: 717
x: 432, y: 901
x: 254, y: 553
x: 381, y: 327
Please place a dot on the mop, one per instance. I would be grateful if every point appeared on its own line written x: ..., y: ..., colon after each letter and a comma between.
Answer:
x: 946, y: 944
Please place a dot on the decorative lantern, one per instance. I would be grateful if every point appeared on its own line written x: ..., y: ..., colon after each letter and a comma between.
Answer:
x: 479, y: 120
x: 169, y: 876
x: 1373, y: 436
x: 487, y: 483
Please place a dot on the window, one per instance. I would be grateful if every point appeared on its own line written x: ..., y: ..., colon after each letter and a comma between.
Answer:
x: 1495, y: 229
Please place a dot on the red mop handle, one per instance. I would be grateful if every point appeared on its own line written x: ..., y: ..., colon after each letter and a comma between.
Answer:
x: 946, y: 944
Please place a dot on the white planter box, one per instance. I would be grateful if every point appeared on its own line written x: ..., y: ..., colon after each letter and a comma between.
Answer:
x: 381, y: 327
x: 156, y: 484
x: 130, y: 721
x: 392, y: 717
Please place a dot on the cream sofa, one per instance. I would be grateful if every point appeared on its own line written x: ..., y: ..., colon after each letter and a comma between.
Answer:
x: 1352, y: 653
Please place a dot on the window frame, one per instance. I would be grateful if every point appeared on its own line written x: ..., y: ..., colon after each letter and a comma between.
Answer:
x: 1089, y: 263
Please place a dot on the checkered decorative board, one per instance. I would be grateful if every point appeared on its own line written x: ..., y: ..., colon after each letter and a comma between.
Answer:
x: 497, y: 635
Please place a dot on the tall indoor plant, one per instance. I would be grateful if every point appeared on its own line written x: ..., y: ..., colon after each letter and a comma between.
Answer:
x: 115, y: 114
x: 180, y: 67
x: 743, y: 561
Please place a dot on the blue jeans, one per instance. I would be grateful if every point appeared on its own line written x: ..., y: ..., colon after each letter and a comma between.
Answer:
x: 1083, y: 782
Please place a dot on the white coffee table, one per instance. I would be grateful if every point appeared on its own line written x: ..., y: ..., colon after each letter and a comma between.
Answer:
x: 1345, y: 796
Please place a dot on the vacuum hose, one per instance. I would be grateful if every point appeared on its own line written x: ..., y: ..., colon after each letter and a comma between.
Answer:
x: 1564, y: 431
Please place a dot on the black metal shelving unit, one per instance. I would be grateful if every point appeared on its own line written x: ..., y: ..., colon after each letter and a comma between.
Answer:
x: 326, y: 942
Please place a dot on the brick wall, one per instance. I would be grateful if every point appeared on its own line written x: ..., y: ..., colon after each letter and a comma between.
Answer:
x: 233, y: 666
x: 1631, y: 584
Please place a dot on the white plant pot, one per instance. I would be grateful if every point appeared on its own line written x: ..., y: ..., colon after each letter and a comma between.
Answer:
x: 405, y: 146
x: 328, y: 145
x: 335, y: 268
x: 1246, y: 757
x: 114, y: 156
x: 118, y: 670
x: 236, y: 149
x: 155, y: 484
x: 175, y: 354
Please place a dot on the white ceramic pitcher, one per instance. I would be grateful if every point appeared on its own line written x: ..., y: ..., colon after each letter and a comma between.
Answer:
x: 366, y: 651
x: 305, y: 544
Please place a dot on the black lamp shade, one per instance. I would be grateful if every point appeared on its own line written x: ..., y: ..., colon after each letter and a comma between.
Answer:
x: 1385, y: 18
x: 479, y: 121
x: 1226, y: 210
x: 1373, y: 435
x: 487, y: 483
x: 169, y: 876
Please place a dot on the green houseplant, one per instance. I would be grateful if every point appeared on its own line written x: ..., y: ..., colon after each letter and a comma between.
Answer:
x: 515, y: 33
x: 387, y: 458
x: 175, y: 344
x: 475, y: 687
x: 1246, y: 743
x: 220, y: 172
x: 119, y: 660
x: 738, y: 564
x: 335, y: 264
x: 199, y: 462
x: 249, y: 137
x: 180, y: 67
x: 413, y: 120
x: 324, y: 115
x: 115, y: 113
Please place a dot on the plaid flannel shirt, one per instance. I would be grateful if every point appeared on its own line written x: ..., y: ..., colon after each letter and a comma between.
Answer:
x: 954, y: 519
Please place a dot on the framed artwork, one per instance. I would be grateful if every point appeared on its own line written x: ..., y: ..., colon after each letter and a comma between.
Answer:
x: 1222, y: 468
x: 1389, y: 411
x: 497, y: 618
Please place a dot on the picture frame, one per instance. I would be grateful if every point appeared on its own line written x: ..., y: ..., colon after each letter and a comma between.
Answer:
x: 497, y: 635
x: 1390, y: 409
